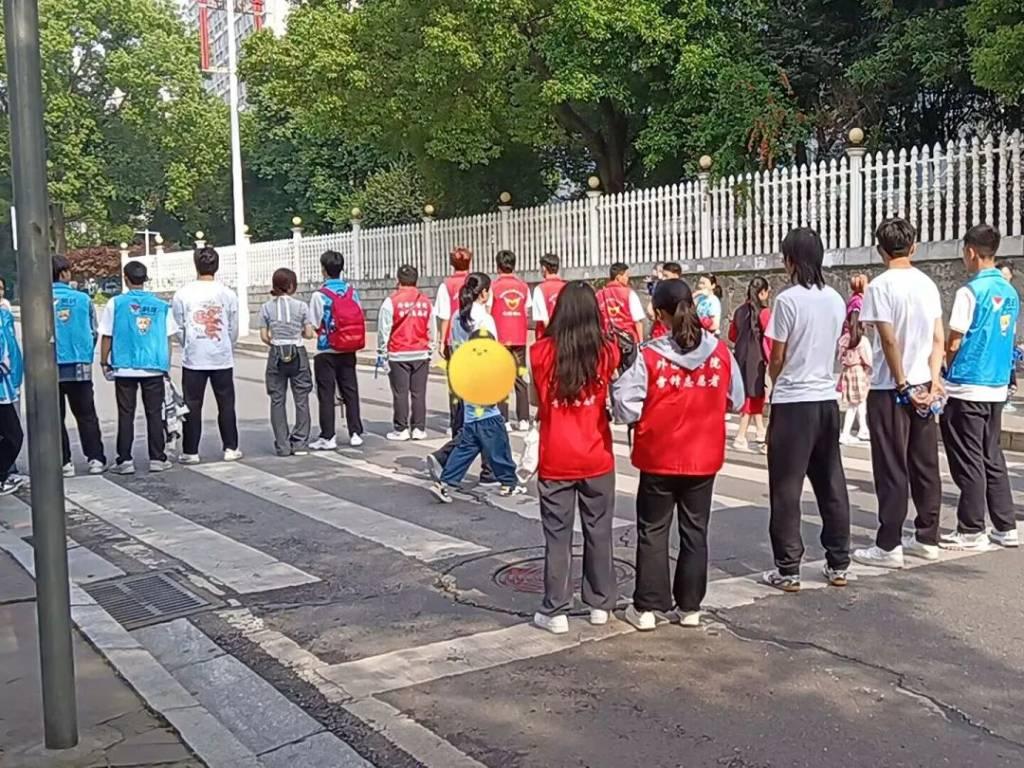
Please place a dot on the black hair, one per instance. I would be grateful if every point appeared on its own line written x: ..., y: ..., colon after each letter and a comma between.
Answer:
x: 803, y: 250
x: 673, y: 268
x: 551, y: 263
x: 476, y: 283
x: 715, y: 287
x: 3, y: 283
x: 408, y: 275
x: 60, y: 264
x: 207, y: 261
x: 579, y: 339
x: 506, y: 261
x: 999, y: 265
x: 757, y: 286
x: 618, y: 268
x: 332, y: 262
x: 284, y: 282
x: 984, y: 239
x: 896, y: 237
x: 675, y: 298
x: 135, y: 273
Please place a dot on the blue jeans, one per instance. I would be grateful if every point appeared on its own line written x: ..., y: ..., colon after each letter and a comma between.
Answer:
x: 487, y: 437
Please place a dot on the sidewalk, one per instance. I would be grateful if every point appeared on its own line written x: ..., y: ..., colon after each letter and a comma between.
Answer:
x: 115, y: 727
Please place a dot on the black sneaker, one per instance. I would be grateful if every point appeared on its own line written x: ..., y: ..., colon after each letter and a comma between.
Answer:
x: 489, y: 479
x: 434, y: 467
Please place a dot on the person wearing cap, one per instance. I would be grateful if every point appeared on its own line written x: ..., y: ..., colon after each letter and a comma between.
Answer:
x: 135, y: 350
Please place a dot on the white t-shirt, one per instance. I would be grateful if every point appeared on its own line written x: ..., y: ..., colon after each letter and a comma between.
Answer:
x: 539, y: 307
x: 809, y: 322
x: 909, y: 301
x: 207, y: 314
x: 636, y: 309
x: 443, y: 303
x: 106, y: 328
x: 960, y: 319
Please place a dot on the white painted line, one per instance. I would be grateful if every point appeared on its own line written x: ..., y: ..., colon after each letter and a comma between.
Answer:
x: 224, y: 560
x: 472, y: 653
x: 406, y: 538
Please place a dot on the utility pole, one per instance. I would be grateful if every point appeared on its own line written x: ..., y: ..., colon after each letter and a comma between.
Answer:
x: 241, y: 240
x: 28, y: 168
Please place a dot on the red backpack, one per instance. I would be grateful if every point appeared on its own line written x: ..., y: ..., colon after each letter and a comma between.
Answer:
x: 345, y: 326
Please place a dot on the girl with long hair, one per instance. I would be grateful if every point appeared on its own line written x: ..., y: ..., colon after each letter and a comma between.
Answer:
x: 573, y: 366
x: 676, y: 394
x: 752, y: 349
x: 483, y: 429
x: 708, y: 301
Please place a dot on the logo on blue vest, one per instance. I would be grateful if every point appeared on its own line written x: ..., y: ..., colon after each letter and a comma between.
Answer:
x: 143, y: 316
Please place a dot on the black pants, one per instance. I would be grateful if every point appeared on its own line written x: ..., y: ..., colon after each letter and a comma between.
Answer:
x: 337, y: 369
x: 152, y: 388
x: 409, y: 383
x: 803, y: 441
x: 79, y: 396
x: 558, y: 501
x: 522, y: 388
x: 657, y: 497
x: 904, y: 450
x: 193, y: 390
x: 971, y: 433
x: 11, y: 438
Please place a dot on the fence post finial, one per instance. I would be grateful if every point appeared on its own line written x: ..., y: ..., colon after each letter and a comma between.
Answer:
x: 200, y: 240
x: 505, y: 213
x: 855, y: 152
x: 357, y: 251
x: 296, y: 244
x: 428, y: 233
x: 593, y: 221
x: 704, y: 209
x: 159, y: 242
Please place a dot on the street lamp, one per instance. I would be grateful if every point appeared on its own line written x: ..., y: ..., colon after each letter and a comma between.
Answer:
x: 241, y: 252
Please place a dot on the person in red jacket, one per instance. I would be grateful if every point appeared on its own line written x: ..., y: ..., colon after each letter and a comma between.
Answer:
x: 405, y: 337
x: 621, y: 309
x: 572, y: 368
x: 510, y: 304
x: 676, y: 394
x: 545, y: 295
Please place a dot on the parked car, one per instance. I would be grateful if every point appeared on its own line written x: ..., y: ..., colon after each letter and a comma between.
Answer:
x: 111, y: 286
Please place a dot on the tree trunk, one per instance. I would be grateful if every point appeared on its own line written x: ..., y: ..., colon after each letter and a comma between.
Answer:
x: 58, y: 230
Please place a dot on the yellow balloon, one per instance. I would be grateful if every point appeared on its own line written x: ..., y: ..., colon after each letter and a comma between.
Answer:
x: 482, y: 371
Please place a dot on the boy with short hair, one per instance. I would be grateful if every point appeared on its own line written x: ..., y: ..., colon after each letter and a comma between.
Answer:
x: 620, y: 307
x: 545, y: 295
x: 510, y: 300
x: 979, y: 355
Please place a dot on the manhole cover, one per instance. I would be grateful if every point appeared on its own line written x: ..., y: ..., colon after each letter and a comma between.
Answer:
x: 148, y: 598
x: 528, y: 575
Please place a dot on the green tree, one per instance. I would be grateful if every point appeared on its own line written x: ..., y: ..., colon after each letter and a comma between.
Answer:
x: 996, y: 30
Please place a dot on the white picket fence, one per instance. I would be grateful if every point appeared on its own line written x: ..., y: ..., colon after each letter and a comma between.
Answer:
x: 942, y: 190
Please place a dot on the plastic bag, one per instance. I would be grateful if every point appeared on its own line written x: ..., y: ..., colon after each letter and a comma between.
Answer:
x: 530, y: 458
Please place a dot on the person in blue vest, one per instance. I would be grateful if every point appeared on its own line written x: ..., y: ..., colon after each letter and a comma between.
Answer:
x: 979, y: 357
x: 11, y: 435
x: 75, y: 336
x: 135, y: 349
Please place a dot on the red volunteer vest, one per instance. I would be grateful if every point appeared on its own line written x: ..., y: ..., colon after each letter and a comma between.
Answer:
x: 511, y: 300
x: 453, y: 283
x: 682, y: 428
x: 658, y: 329
x: 410, y: 329
x: 550, y: 287
x: 613, y: 300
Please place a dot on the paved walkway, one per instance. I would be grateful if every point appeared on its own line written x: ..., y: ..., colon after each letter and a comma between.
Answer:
x: 115, y: 727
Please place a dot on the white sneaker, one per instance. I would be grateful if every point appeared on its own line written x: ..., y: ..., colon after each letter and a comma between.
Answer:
x: 598, y: 617
x: 1005, y: 538
x: 97, y: 467
x: 419, y: 434
x: 845, y: 439
x: 322, y: 444
x: 689, y: 618
x: 126, y: 468
x: 160, y: 466
x: 864, y: 436
x: 524, y: 426
x: 911, y: 546
x: 509, y: 427
x: 232, y: 454
x: 434, y: 468
x: 965, y: 542
x: 355, y: 441
x: 835, y: 577
x: 188, y: 458
x: 398, y: 437
x: 556, y: 625
x: 879, y: 558
x: 11, y: 484
x: 741, y: 444
x: 786, y: 583
x: 644, y: 621
x: 69, y: 470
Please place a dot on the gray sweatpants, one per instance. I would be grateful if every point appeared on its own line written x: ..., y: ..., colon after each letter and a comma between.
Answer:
x: 558, y: 500
x: 278, y: 376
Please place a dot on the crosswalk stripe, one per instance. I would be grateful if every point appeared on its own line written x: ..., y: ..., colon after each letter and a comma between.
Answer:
x: 406, y: 538
x: 236, y: 565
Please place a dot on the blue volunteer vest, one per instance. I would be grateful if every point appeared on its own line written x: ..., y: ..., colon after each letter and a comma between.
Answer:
x: 140, y: 332
x: 985, y: 357
x: 10, y: 353
x: 72, y: 321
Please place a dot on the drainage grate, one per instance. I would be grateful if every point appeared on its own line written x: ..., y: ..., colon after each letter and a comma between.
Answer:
x: 148, y: 598
x: 528, y: 575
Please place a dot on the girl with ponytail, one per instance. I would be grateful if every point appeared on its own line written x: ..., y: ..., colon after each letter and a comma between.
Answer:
x: 675, y: 394
x: 752, y: 350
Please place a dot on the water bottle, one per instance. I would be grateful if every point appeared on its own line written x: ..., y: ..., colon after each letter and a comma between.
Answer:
x: 934, y: 408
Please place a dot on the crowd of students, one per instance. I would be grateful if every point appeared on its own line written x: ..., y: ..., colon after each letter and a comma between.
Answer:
x: 807, y: 353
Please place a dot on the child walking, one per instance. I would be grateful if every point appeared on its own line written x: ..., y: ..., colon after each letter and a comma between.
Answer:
x: 483, y: 431
x: 855, y: 361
